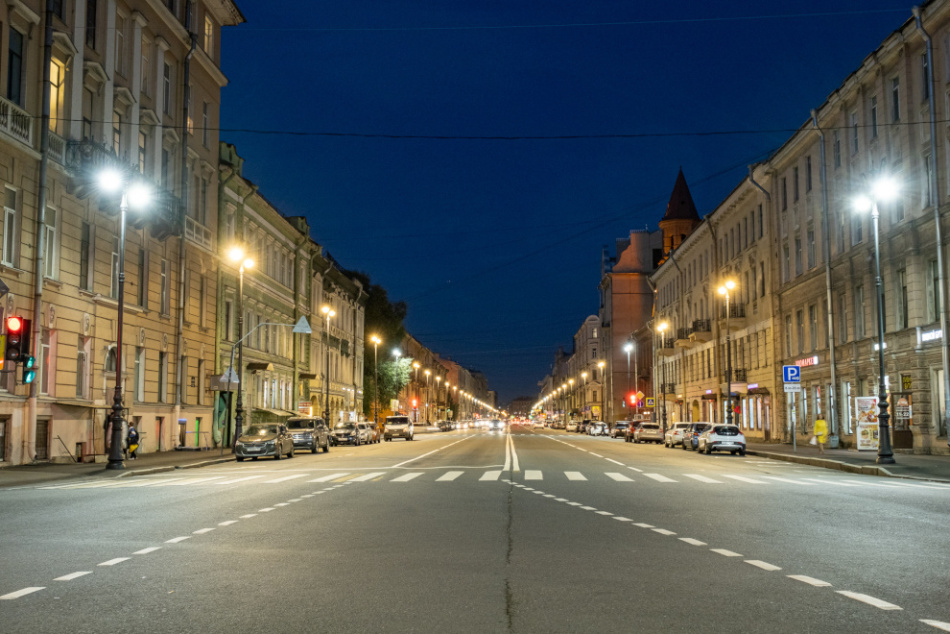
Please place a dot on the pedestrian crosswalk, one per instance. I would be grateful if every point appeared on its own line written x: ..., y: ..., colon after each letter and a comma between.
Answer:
x: 635, y: 477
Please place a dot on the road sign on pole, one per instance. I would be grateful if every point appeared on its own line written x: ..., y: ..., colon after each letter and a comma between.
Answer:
x: 791, y: 374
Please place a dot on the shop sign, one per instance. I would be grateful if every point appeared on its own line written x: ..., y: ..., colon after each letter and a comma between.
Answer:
x: 808, y: 361
x: 752, y: 386
x: 931, y: 335
x: 906, y: 383
x: 902, y: 409
x: 304, y: 408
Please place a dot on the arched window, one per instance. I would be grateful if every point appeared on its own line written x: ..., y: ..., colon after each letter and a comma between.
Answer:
x: 110, y: 359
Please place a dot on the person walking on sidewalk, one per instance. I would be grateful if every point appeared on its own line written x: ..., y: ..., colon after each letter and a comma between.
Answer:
x: 821, y: 434
x: 133, y: 441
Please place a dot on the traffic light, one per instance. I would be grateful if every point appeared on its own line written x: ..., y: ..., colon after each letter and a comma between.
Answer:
x: 28, y: 372
x: 631, y: 399
x: 14, y: 339
x: 415, y: 403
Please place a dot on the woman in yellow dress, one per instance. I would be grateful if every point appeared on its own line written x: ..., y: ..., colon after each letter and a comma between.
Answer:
x: 821, y: 434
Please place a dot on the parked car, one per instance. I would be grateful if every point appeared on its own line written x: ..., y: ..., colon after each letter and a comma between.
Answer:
x: 398, y: 427
x: 722, y: 438
x: 309, y: 433
x: 619, y: 429
x: 370, y: 432
x: 348, y: 434
x: 648, y: 432
x: 598, y: 428
x: 582, y: 426
x: 264, y: 439
x: 691, y: 434
x: 444, y: 425
x: 674, y: 435
x: 572, y: 426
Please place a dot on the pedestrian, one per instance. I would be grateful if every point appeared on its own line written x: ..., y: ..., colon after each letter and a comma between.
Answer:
x: 133, y: 441
x: 821, y: 434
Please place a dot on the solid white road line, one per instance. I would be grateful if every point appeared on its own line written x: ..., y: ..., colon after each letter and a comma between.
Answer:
x: 146, y: 551
x: 940, y: 625
x: 73, y: 575
x: 367, y: 476
x: 790, y: 481
x: 724, y: 552
x: 619, y: 477
x: 702, y: 478
x: 761, y: 564
x: 285, y: 478
x: 532, y: 474
x: 112, y: 562
x: 693, y: 542
x: 489, y: 476
x: 176, y: 540
x: 575, y: 476
x: 332, y: 476
x: 21, y: 593
x: 448, y: 476
x: 745, y: 479
x: 663, y: 531
x: 239, y: 479
x: 818, y: 583
x: 864, y: 598
x: 658, y: 477
x: 407, y: 477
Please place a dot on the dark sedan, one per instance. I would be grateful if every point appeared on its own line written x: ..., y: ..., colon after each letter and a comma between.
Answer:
x: 347, y: 434
x: 264, y: 439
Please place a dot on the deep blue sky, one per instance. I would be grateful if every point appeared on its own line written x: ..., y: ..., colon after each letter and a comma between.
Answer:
x: 496, y: 244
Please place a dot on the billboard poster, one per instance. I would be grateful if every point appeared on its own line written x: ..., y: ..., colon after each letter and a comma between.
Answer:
x: 867, y: 429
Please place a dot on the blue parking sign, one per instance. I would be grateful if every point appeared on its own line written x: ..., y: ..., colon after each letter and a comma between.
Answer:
x: 791, y: 374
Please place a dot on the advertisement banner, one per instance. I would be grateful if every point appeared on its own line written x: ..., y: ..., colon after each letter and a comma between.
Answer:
x: 866, y: 423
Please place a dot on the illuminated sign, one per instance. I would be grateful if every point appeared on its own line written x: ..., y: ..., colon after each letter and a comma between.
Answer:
x: 708, y: 391
x: 930, y: 335
x: 807, y: 361
x: 877, y: 347
x: 752, y: 386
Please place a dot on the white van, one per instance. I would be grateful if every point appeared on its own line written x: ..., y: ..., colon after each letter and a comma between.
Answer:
x: 398, y: 427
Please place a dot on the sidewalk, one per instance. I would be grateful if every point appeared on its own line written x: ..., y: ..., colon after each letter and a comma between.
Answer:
x: 41, y: 473
x: 915, y: 467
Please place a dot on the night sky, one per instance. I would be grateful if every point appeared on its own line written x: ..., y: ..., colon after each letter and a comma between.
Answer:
x: 495, y: 242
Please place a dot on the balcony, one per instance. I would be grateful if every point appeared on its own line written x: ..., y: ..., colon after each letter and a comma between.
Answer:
x: 701, y: 332
x: 16, y: 122
x: 682, y: 338
x: 736, y: 318
x: 197, y: 233
x: 57, y: 148
x: 665, y: 349
x: 739, y: 375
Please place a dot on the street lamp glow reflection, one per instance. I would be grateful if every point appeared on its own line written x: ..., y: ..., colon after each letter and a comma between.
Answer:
x: 110, y: 180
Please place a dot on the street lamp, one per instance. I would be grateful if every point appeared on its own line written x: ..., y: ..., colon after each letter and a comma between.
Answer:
x: 603, y: 391
x: 327, y: 313
x: 570, y: 400
x: 376, y: 341
x: 882, y: 190
x: 137, y: 194
x: 236, y: 254
x: 584, y: 399
x: 724, y: 291
x: 427, y: 373
x: 662, y: 328
x: 438, y: 405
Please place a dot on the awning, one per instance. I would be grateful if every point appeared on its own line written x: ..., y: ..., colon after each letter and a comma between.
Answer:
x: 274, y: 412
x: 307, y: 375
x: 256, y: 366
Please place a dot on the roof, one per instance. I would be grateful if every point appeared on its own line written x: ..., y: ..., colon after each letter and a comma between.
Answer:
x: 681, y: 206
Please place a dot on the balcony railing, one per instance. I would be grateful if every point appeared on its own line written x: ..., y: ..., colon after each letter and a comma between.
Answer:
x: 739, y: 375
x: 197, y: 233
x: 57, y: 148
x: 16, y: 122
x: 736, y: 311
x: 701, y: 325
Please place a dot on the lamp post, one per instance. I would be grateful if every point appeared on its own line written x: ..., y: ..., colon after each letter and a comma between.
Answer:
x: 727, y: 286
x: 571, y: 398
x: 327, y: 313
x: 236, y: 254
x: 881, y: 190
x: 376, y: 341
x: 415, y: 368
x: 136, y: 194
x: 438, y: 386
x: 603, y: 391
x: 662, y: 327
x: 427, y: 373
x: 584, y: 391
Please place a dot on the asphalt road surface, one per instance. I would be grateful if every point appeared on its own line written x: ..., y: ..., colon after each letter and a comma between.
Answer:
x: 528, y: 531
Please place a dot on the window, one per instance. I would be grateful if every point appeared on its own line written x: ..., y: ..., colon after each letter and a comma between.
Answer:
x: 836, y: 148
x: 784, y: 193
x: 50, y: 246
x: 811, y: 249
x: 46, y: 363
x: 761, y: 226
x: 82, y: 368
x: 56, y: 8
x: 902, y: 305
x: 143, y: 150
x: 808, y: 173
x: 166, y: 88
x: 813, y: 326
x: 933, y: 294
x: 795, y: 184
x: 761, y: 279
x: 191, y: 111
x: 859, y: 309
x: 15, y: 54
x: 11, y: 228
x: 91, y: 23
x: 205, y: 124
x: 798, y: 256
x: 86, y: 258
x: 163, y: 290
x: 786, y: 264
x: 166, y: 160
x: 114, y: 285
x: 925, y: 186
x: 119, y: 44
x: 110, y: 360
x: 857, y: 229
x: 895, y: 100
x: 208, y: 44
x: 854, y: 132
x: 186, y: 296
x: 57, y: 76
x: 202, y: 379
x: 924, y: 78
x: 162, y: 377
x: 139, y: 386
x: 842, y: 319
x: 800, y: 322
x: 788, y: 335
x: 88, y: 103
x: 228, y: 320
x: 202, y: 301
x: 146, y: 77
x: 141, y: 290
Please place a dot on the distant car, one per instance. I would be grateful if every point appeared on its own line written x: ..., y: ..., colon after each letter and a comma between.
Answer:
x: 398, y: 427
x: 597, y: 428
x: 264, y: 439
x: 444, y: 425
x: 691, y: 434
x: 648, y: 432
x: 538, y: 424
x: 619, y: 429
x: 496, y: 425
x: 309, y: 433
x: 348, y: 434
x: 674, y: 435
x: 370, y: 432
x: 582, y: 426
x: 722, y: 438
x: 572, y: 426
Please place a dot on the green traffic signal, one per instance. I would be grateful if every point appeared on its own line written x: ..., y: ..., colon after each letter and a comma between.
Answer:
x: 29, y: 374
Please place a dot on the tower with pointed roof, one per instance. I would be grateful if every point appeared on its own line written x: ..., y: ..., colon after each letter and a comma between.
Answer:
x: 681, y: 216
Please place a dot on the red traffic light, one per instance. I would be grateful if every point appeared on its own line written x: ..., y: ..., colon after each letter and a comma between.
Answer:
x: 14, y: 325
x: 415, y: 403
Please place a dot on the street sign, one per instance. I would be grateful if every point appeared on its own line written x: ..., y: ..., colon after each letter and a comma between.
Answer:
x: 651, y: 402
x: 791, y: 374
x: 793, y: 387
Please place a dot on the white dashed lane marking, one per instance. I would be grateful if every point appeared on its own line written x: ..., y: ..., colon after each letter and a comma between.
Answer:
x: 532, y: 474
x: 702, y: 478
x: 21, y: 593
x: 73, y: 575
x: 658, y: 477
x: 575, y: 476
x: 818, y: 583
x: 407, y: 477
x: 864, y: 598
x: 490, y: 476
x: 370, y: 476
x: 619, y: 477
x: 449, y: 476
x: 327, y: 478
x: 763, y: 565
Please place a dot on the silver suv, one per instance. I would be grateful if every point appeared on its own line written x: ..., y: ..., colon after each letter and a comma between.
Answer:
x: 674, y: 435
x: 398, y: 427
x: 648, y: 432
x: 309, y: 433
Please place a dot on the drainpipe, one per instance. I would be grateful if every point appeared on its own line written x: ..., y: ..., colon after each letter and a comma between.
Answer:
x: 935, y: 197
x: 39, y: 265
x: 826, y: 255
x: 182, y: 242
x: 718, y: 332
x: 679, y: 304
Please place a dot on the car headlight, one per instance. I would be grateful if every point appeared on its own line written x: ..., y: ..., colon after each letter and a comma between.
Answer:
x: 269, y: 444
